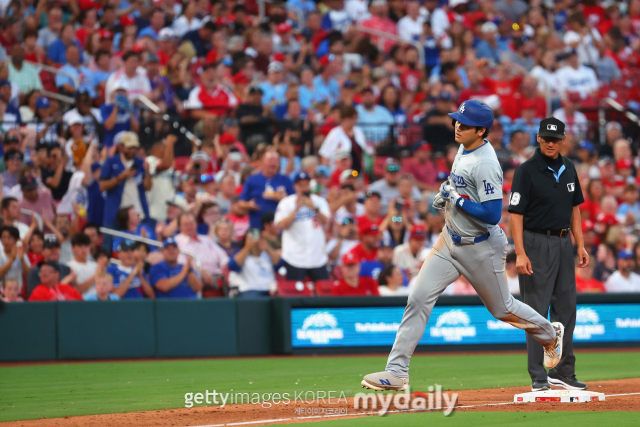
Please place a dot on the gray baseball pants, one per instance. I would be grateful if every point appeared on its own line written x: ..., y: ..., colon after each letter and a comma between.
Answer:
x: 482, y: 264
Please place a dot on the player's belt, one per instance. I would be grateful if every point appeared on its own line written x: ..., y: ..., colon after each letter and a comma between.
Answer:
x: 456, y: 238
x: 558, y: 232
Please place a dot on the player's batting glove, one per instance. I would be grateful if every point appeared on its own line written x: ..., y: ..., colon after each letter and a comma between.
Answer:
x: 451, y: 195
x: 439, y: 202
x: 443, y: 185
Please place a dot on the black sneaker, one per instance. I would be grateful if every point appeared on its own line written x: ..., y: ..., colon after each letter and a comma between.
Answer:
x: 570, y: 383
x: 540, y: 386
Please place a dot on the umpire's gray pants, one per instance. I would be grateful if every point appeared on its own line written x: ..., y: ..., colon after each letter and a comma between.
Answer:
x: 482, y: 264
x: 553, y: 283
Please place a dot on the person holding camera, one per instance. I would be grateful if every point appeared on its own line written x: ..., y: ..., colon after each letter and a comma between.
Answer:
x: 302, y: 217
x: 252, y: 268
x: 119, y: 116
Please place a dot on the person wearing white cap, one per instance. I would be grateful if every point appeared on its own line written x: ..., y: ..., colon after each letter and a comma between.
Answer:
x: 490, y: 46
x: 273, y: 90
x: 125, y: 179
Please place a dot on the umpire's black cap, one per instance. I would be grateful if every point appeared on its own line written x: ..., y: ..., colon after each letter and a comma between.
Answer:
x: 551, y: 127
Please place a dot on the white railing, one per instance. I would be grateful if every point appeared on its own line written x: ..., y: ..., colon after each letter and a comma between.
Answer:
x: 59, y: 97
x: 37, y: 215
x: 383, y: 35
x: 54, y: 70
x: 154, y: 108
x: 149, y: 242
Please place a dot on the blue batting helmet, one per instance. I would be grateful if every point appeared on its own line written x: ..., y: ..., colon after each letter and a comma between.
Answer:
x: 474, y: 113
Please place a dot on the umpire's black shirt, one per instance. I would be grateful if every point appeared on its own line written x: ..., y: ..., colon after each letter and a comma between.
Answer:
x: 544, y: 191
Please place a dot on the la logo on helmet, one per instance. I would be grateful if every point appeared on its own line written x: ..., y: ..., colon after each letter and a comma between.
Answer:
x: 461, y: 110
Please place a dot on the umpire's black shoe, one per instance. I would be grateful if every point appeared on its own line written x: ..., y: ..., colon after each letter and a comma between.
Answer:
x: 540, y: 386
x: 570, y: 383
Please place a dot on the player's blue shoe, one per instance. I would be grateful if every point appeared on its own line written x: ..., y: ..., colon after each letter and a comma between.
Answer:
x: 553, y: 353
x: 381, y: 381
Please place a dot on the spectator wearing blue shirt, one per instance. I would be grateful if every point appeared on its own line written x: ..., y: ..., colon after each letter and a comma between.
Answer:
x: 273, y: 90
x: 390, y: 99
x: 253, y: 267
x: 104, y: 289
x: 171, y: 279
x: 58, y: 50
x: 128, y: 221
x: 490, y: 47
x: 325, y: 86
x: 125, y: 180
x: 156, y: 24
x: 262, y: 191
x: 301, y: 7
x: 129, y: 281
x: 103, y: 70
x: 630, y: 207
x: 118, y: 117
x: 375, y: 120
x: 73, y: 76
x: 201, y: 38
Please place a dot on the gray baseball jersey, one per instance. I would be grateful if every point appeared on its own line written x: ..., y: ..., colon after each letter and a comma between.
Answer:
x: 477, y: 176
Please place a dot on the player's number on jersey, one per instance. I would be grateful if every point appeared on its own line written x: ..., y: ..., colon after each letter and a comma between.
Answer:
x: 515, y: 199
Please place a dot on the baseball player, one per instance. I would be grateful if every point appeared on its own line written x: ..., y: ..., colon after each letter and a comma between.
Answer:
x: 471, y: 244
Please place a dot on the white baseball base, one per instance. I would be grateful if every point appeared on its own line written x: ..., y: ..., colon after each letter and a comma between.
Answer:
x: 562, y: 396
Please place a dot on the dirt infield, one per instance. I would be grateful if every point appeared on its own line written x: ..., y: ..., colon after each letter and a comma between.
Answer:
x: 468, y: 400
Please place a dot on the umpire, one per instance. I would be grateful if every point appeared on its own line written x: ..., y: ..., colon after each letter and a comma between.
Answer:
x: 544, y: 205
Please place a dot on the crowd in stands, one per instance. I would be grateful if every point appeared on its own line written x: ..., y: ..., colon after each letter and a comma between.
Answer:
x: 190, y: 149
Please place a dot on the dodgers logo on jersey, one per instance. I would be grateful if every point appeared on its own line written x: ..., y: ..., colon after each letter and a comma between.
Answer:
x: 457, y: 180
x: 488, y: 188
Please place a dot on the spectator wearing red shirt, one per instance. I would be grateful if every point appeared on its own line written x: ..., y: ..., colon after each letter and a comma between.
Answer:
x: 367, y: 249
x: 380, y: 21
x: 589, y: 236
x: 585, y: 282
x: 422, y: 168
x: 371, y: 211
x: 475, y: 89
x: 11, y: 30
x: 343, y: 162
x: 88, y: 19
x: 50, y: 288
x: 532, y: 98
x: 167, y: 45
x: 594, y: 13
x: 351, y: 283
x: 211, y: 98
x: 506, y: 86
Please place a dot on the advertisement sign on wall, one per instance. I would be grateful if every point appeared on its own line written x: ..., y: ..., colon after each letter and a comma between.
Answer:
x: 377, y: 326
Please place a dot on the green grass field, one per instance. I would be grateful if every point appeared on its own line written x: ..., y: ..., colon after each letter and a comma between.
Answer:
x: 56, y: 390
x: 492, y: 419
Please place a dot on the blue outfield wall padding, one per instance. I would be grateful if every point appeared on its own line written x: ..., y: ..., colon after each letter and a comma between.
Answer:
x: 106, y: 329
x: 28, y: 331
x: 188, y: 328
